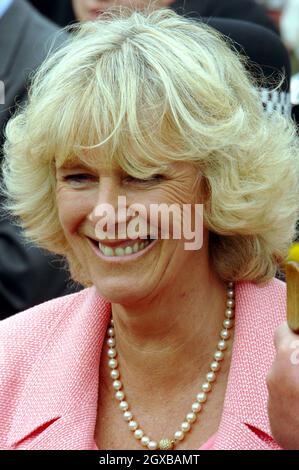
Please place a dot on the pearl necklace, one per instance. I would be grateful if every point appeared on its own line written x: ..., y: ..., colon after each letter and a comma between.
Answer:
x: 201, y: 397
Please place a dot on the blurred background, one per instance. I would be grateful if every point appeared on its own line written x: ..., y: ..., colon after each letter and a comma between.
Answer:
x: 284, y: 13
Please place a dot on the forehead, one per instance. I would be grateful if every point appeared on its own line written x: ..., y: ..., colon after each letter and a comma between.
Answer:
x: 100, y: 160
x: 87, y: 160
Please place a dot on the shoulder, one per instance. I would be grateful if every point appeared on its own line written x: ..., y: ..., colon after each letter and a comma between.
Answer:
x: 26, y: 330
x: 259, y: 310
x: 33, y: 343
x: 29, y: 12
x: 22, y: 337
x: 267, y: 302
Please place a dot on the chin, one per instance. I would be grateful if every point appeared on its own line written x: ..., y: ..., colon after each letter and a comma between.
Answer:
x: 122, y: 292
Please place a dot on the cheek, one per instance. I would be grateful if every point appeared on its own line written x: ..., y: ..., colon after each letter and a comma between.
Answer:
x: 73, y: 208
x: 178, y: 223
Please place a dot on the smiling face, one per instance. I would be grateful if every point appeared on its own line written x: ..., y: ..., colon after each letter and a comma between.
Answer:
x: 122, y: 269
x: 86, y: 10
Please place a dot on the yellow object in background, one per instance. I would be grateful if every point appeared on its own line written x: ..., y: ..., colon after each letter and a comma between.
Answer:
x: 294, y: 253
x: 292, y: 278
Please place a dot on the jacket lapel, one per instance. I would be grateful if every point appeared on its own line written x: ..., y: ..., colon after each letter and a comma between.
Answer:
x: 244, y: 422
x: 58, y: 406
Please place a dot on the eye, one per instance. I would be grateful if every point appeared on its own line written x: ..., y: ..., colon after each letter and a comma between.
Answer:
x: 152, y: 179
x: 79, y: 178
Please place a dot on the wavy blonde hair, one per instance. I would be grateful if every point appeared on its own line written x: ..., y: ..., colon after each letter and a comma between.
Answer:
x: 149, y: 88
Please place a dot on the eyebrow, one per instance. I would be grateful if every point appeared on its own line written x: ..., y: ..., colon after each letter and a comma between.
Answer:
x: 73, y: 163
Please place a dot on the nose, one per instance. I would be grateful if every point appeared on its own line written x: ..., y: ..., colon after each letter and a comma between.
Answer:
x: 106, y: 195
x: 109, y: 209
x: 108, y: 190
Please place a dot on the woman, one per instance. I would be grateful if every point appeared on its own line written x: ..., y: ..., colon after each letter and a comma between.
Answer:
x: 156, y: 109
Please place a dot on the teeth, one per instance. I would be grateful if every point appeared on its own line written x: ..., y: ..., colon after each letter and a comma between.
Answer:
x: 107, y: 250
x: 119, y: 251
x: 128, y: 250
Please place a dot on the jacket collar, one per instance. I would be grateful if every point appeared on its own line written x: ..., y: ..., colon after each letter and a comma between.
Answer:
x: 259, y: 310
x: 60, y: 395
x: 58, y: 406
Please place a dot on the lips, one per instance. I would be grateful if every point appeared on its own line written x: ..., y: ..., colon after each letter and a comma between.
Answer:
x: 120, y: 243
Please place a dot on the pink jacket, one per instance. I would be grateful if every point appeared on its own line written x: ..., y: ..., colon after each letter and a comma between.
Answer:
x: 49, y: 371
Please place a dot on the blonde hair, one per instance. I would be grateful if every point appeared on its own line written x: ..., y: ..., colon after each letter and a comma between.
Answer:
x: 149, y: 88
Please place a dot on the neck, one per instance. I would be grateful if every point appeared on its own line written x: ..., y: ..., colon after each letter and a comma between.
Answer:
x: 167, y: 342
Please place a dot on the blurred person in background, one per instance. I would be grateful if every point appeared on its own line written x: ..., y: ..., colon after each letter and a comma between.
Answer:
x: 64, y: 12
x: 59, y: 11
x: 245, y: 10
x: 28, y: 275
x: 238, y: 9
x: 274, y: 8
x: 289, y: 26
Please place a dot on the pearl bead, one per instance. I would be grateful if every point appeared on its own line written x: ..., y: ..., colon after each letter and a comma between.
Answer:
x: 228, y: 323
x: 190, y: 417
x: 123, y: 406
x: 185, y: 426
x: 111, y: 321
x: 196, y: 407
x: 110, y: 331
x: 138, y: 433
x: 229, y: 313
x: 215, y: 366
x: 114, y: 374
x: 230, y: 293
x: 127, y: 415
x: 119, y: 395
x: 206, y: 387
x: 211, y: 377
x: 230, y: 284
x: 230, y: 303
x: 145, y: 440
x: 111, y: 352
x: 113, y: 363
x: 201, y: 397
x: 152, y: 445
x: 218, y: 355
x: 117, y: 385
x: 222, y: 345
x: 111, y: 342
x: 225, y: 334
x: 179, y: 435
x: 133, y: 425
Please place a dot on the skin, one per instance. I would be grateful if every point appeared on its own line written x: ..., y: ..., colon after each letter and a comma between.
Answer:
x: 283, y: 387
x: 86, y: 10
x: 164, y: 314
